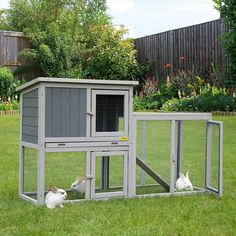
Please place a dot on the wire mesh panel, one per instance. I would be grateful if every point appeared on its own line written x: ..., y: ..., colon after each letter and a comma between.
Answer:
x: 66, y: 171
x: 193, y: 152
x: 109, y: 113
x: 153, y: 153
x: 115, y: 172
x: 214, y: 152
x: 30, y: 172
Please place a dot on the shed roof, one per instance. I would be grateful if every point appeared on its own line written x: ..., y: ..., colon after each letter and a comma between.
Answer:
x: 76, y: 81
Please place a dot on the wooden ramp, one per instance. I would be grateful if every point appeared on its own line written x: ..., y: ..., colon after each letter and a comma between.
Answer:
x: 152, y: 174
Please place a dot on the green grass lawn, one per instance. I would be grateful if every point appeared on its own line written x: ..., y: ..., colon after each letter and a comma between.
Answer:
x: 187, y: 215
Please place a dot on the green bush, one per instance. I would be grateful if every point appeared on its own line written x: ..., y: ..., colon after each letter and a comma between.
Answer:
x: 6, y: 83
x: 9, y: 106
x: 227, y: 9
x: 74, y: 39
x: 211, y: 99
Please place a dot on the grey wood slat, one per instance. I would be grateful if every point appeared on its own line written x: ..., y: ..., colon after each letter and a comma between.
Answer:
x: 31, y: 94
x: 32, y: 102
x: 30, y: 121
x: 56, y: 112
x: 48, y: 110
x: 30, y: 139
x: 30, y: 112
x: 82, y: 112
x: 29, y: 130
x: 65, y: 112
x: 74, y: 119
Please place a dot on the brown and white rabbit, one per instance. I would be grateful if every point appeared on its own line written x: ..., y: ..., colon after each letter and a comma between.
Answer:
x: 78, y: 185
x: 55, y: 197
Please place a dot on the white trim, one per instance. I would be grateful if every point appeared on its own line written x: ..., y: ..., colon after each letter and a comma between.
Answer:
x: 172, y: 116
x: 111, y: 154
x: 94, y: 133
x: 29, y: 199
x: 41, y: 149
x: 21, y: 153
x: 77, y: 81
x: 84, y: 144
x: 30, y: 145
x: 85, y: 149
x: 84, y: 139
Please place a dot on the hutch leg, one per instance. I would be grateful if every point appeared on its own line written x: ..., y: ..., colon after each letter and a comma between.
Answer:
x: 172, y: 155
x: 40, y: 182
x: 88, y: 175
x: 179, y: 147
x: 143, y: 157
x: 21, y: 170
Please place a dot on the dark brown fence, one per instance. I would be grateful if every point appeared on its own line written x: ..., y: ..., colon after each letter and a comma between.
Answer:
x: 194, y: 47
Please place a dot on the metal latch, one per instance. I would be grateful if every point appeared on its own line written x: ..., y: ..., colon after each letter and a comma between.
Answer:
x: 90, y: 113
x: 89, y: 176
x: 115, y: 143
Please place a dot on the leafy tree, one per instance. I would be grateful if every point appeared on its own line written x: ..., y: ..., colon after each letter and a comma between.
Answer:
x: 72, y: 38
x: 227, y: 10
x: 109, y: 55
x: 6, y: 83
x: 3, y: 20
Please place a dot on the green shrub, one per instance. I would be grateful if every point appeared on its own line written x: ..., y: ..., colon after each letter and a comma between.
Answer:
x: 151, y: 102
x: 227, y: 9
x: 9, y: 106
x: 211, y: 99
x: 6, y: 83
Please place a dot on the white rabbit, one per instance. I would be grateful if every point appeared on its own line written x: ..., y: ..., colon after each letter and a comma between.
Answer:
x: 189, y: 185
x: 183, y: 183
x: 55, y: 197
x: 78, y: 185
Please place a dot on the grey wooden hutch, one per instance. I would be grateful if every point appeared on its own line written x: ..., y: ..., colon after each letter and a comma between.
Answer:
x: 96, y: 117
x: 69, y: 115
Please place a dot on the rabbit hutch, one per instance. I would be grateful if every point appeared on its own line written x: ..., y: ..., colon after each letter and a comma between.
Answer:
x: 71, y: 128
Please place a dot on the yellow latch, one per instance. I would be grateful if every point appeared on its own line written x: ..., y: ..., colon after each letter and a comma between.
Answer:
x: 124, y: 138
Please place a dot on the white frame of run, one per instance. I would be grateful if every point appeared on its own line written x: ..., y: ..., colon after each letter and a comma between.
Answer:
x: 176, y: 120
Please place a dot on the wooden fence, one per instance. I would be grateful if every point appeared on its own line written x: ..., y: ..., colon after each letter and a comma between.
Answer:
x: 194, y: 47
x: 11, y: 43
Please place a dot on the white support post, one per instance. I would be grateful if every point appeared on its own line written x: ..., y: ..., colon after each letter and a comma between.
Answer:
x: 208, y: 155
x: 220, y: 163
x: 131, y: 175
x: 88, y: 176
x: 21, y: 170
x: 143, y: 155
x: 172, y: 155
x: 179, y: 147
x: 21, y: 154
x: 41, y: 145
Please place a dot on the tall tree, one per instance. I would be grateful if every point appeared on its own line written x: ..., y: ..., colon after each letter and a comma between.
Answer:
x: 227, y: 9
x: 66, y: 38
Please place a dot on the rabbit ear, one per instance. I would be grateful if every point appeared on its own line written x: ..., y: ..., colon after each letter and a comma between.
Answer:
x: 187, y: 175
x: 181, y: 175
x: 53, y: 189
x: 79, y: 179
